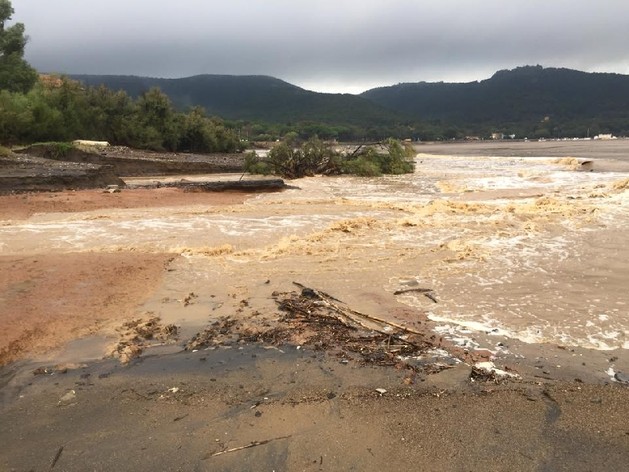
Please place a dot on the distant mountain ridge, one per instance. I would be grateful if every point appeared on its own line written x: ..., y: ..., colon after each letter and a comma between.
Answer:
x: 528, y: 100
x: 253, y: 98
x: 525, y: 95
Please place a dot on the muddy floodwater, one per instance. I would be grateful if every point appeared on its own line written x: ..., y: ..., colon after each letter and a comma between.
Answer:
x: 515, y: 253
x: 531, y: 248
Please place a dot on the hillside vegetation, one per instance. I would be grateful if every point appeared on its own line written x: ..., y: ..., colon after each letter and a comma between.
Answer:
x: 533, y: 101
x: 527, y: 101
x: 268, y: 106
x: 60, y: 109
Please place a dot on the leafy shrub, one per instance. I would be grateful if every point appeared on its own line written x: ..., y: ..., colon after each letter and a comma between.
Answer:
x: 362, y: 166
x: 5, y: 152
x: 254, y: 165
x: 396, y: 160
x: 315, y: 157
x: 55, y: 150
x: 64, y: 110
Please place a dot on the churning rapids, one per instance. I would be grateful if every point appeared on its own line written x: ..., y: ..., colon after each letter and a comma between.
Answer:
x: 533, y: 248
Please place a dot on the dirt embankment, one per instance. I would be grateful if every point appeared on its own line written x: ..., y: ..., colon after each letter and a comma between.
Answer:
x: 18, y: 207
x: 58, y: 166
x: 131, y: 162
x: 22, y: 173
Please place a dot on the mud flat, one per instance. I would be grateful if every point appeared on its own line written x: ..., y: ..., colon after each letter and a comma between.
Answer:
x: 251, y: 408
x: 610, y: 155
x: 20, y: 207
x: 471, y: 316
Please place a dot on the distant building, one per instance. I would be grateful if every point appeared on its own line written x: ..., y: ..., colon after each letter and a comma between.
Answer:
x: 497, y: 136
x: 605, y: 136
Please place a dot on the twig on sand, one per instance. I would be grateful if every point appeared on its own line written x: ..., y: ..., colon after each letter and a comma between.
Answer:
x: 56, y: 458
x: 427, y: 292
x: 252, y: 444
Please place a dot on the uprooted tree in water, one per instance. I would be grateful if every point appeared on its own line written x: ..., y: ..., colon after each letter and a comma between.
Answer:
x: 315, y: 157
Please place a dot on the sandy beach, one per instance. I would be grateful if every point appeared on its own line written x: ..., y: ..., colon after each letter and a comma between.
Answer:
x: 162, y: 329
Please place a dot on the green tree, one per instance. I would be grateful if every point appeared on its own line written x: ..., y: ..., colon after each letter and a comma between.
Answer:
x: 398, y: 159
x: 319, y: 157
x: 16, y: 75
x: 316, y: 157
x: 15, y: 116
x: 286, y: 161
x: 197, y: 135
x: 111, y: 115
x: 158, y: 121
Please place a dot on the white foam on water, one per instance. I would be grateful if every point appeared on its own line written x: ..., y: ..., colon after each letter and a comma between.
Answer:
x: 164, y: 232
x: 484, y: 295
x: 461, y: 331
x: 490, y: 368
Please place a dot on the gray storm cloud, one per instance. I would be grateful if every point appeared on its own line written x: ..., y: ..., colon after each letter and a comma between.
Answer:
x: 343, y: 45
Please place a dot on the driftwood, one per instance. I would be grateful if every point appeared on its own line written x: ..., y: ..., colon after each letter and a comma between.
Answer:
x: 252, y: 444
x: 407, y: 290
x: 243, y: 185
x: 56, y: 458
x: 255, y: 185
x: 346, y: 315
x: 427, y: 292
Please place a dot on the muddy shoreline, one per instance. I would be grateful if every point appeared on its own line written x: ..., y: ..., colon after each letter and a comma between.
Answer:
x: 302, y: 410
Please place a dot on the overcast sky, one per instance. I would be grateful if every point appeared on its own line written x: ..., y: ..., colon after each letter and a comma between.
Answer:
x: 325, y: 45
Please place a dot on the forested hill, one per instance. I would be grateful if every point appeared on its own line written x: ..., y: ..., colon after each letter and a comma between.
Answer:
x: 519, y: 98
x: 254, y: 98
x: 528, y: 101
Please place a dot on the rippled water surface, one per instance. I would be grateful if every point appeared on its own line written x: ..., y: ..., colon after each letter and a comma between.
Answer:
x: 534, y: 248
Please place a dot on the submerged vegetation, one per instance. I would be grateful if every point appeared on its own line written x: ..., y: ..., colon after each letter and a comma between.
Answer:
x: 291, y: 160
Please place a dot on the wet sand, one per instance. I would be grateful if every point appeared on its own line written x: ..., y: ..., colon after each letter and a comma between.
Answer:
x: 22, y: 206
x: 176, y: 412
x: 524, y: 257
x: 49, y: 299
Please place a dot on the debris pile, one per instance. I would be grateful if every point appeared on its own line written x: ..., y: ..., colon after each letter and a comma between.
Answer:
x: 223, y: 331
x: 315, y: 319
x: 136, y: 335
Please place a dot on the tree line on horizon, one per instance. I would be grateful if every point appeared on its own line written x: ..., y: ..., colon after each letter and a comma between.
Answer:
x: 530, y: 101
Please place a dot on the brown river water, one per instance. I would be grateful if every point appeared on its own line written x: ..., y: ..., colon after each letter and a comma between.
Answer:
x: 531, y: 248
